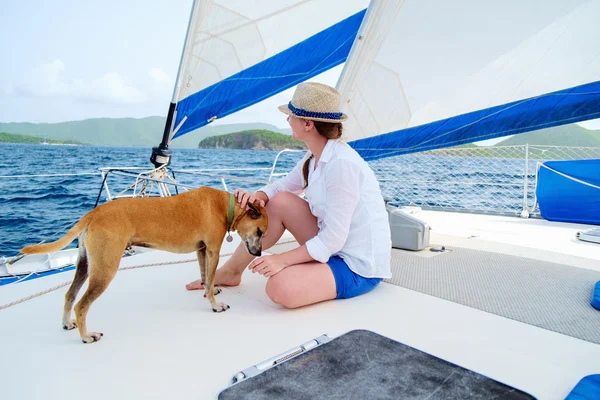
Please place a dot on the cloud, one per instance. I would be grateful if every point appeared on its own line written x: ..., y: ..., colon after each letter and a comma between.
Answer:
x: 51, y: 73
x: 110, y: 88
x: 159, y: 76
x: 7, y: 89
x: 48, y: 80
x: 161, y: 83
x: 44, y: 80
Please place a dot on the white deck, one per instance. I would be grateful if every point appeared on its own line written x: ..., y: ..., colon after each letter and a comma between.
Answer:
x: 162, y: 341
x: 537, y: 234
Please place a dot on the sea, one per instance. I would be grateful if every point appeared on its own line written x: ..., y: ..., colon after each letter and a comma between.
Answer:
x: 36, y: 208
x: 42, y: 208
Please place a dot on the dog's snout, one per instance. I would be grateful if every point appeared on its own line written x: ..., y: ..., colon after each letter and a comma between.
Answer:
x: 254, y: 246
x: 255, y: 251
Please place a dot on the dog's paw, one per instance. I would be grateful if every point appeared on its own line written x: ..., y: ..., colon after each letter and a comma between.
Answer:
x: 220, y: 307
x: 92, y: 337
x: 71, y: 325
x: 216, y: 291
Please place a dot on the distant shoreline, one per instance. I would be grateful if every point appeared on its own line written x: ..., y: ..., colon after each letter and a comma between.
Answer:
x: 142, y: 132
x: 27, y: 139
x: 147, y: 132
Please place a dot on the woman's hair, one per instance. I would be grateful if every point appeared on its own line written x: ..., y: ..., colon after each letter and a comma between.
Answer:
x: 330, y: 130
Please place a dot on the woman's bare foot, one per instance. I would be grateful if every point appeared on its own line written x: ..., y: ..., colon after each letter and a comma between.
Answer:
x: 222, y: 278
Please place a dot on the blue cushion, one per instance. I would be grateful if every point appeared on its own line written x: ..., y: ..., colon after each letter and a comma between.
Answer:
x: 587, y: 389
x: 596, y: 296
x: 567, y: 200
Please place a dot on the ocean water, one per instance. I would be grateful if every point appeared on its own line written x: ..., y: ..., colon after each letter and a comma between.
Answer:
x: 43, y: 208
x: 36, y: 209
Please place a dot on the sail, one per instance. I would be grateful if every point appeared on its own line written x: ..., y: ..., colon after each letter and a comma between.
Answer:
x: 239, y: 52
x: 428, y: 74
x: 418, y: 74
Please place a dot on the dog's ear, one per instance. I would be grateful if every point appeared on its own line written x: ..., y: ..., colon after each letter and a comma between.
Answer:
x: 254, y: 211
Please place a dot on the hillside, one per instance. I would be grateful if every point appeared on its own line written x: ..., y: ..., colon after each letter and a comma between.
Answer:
x: 257, y: 139
x: 147, y: 132
x: 144, y: 132
x: 565, y: 135
x: 12, y: 138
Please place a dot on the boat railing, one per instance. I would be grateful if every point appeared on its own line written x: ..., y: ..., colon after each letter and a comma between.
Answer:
x: 157, y: 182
x: 497, y: 180
x: 164, y: 181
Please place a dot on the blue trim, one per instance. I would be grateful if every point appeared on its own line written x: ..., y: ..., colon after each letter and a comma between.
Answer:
x: 12, y: 279
x: 300, y: 112
x: 308, y: 58
x: 566, y: 106
x: 596, y: 296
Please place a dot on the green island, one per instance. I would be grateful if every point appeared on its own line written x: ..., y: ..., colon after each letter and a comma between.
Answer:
x: 26, y: 139
x: 256, y: 139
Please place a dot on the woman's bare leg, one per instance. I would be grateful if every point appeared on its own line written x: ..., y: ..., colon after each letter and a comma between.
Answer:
x: 302, y: 284
x: 285, y: 211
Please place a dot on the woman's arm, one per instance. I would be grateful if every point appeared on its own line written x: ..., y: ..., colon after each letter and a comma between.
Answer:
x: 272, y: 264
x: 342, y: 186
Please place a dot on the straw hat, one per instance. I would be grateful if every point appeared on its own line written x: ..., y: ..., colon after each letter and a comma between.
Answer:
x: 316, y: 102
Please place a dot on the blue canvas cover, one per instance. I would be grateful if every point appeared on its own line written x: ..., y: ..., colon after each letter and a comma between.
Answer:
x: 588, y: 388
x: 569, y: 191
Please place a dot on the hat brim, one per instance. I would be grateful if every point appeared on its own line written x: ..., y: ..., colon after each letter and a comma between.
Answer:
x: 286, y: 110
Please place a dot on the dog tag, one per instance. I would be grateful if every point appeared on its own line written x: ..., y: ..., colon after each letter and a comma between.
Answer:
x: 229, y: 238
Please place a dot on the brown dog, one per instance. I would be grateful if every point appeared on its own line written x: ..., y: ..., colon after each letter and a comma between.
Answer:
x: 192, y: 221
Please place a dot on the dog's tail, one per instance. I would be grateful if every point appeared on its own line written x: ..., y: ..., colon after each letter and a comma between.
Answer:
x: 60, y: 243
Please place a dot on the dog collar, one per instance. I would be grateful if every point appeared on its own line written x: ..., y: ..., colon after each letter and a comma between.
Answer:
x: 230, y: 216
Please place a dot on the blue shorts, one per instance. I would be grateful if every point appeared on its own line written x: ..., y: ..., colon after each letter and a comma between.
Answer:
x: 348, y: 283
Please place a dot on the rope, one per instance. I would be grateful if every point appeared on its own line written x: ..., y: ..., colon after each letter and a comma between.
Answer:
x: 52, y: 289
x: 570, y: 177
x: 24, y: 299
x: 101, y: 188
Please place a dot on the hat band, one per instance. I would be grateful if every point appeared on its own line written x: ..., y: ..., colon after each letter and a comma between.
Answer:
x: 313, y: 114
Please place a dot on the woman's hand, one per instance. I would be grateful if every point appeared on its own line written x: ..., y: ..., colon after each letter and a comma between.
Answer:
x: 268, y: 265
x: 244, y: 198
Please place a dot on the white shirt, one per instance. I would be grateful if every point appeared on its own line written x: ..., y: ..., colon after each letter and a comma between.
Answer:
x: 344, y: 195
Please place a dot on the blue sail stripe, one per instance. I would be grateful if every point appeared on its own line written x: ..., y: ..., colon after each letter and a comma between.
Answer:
x: 570, y: 105
x: 284, y: 70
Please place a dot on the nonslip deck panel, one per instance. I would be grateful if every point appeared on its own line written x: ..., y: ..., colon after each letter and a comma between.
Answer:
x: 545, y: 294
x: 364, y: 365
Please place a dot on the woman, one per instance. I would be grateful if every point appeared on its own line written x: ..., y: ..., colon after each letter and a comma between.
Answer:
x: 341, y: 224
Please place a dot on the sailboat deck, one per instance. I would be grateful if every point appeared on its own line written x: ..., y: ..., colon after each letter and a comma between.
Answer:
x: 162, y: 341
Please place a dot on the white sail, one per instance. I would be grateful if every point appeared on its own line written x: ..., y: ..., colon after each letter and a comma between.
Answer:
x: 408, y: 64
x: 228, y: 36
x: 421, y: 61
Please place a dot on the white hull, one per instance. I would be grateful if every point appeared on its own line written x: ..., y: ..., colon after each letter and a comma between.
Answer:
x: 38, y: 263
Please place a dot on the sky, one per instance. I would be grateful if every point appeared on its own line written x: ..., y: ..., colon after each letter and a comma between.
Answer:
x: 66, y: 60
x: 70, y: 60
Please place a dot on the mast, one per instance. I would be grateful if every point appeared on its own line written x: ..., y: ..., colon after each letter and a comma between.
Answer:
x: 161, y: 155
